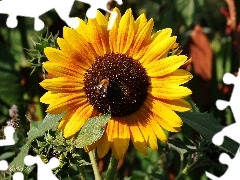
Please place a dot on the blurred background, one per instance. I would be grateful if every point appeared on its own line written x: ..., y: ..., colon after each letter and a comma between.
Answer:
x: 207, y: 30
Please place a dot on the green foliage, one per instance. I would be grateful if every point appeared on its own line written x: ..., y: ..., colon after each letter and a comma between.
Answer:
x: 37, y: 129
x: 92, y: 130
x: 10, y: 87
x: 53, y: 144
x: 206, y: 125
x: 187, y: 154
x: 186, y: 8
x: 37, y: 52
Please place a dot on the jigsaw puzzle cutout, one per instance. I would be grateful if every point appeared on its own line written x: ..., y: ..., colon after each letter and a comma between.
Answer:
x: 8, y: 133
x: 18, y: 176
x: 44, y: 170
x: 36, y: 8
x: 230, y: 131
x: 3, y: 165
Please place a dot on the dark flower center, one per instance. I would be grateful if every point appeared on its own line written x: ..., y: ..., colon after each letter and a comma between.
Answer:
x: 116, y: 82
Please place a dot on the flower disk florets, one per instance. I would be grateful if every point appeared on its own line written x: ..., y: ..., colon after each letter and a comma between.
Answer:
x: 118, y: 82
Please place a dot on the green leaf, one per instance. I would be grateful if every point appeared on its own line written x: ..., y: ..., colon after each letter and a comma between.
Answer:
x: 178, y: 145
x: 37, y: 129
x: 18, y: 163
x: 206, y: 125
x: 6, y: 155
x: 11, y: 90
x: 92, y: 130
x: 178, y: 149
x: 187, y: 9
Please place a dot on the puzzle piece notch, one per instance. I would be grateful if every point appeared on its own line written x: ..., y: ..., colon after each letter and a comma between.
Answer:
x: 233, y: 167
x: 235, y: 98
x: 8, y: 133
x: 36, y: 8
x: 3, y: 165
x: 44, y: 170
x: 95, y: 5
x: 18, y: 176
x: 230, y: 131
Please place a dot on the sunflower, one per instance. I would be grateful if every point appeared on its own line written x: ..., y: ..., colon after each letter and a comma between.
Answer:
x: 126, y: 69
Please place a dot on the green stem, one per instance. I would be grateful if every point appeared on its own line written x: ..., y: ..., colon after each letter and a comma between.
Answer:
x: 112, y: 168
x: 181, y: 161
x: 82, y: 173
x: 189, y: 167
x: 94, y: 166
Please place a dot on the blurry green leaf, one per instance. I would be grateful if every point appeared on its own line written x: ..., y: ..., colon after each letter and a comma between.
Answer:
x: 206, y: 125
x: 178, y: 149
x: 18, y: 164
x: 37, y: 129
x: 92, y: 130
x: 10, y: 88
x: 178, y: 145
x: 138, y: 175
x: 84, y: 163
x: 6, y: 155
x: 37, y: 52
x: 186, y: 8
x: 158, y: 176
x: 194, y: 106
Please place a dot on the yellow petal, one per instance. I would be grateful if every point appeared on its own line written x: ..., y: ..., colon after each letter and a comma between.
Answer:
x: 103, y: 146
x: 136, y: 136
x: 169, y: 92
x: 158, y: 130
x: 55, y: 55
x: 82, y: 30
x: 66, y: 118
x: 179, y: 105
x: 140, y: 23
x: 77, y: 43
x: 67, y: 66
x: 98, y: 35
x: 139, y: 145
x: 167, y: 118
x: 125, y: 32
x: 160, y: 35
x: 177, y: 77
x: 64, y: 69
x: 165, y: 66
x: 78, y: 119
x: 110, y: 130
x: 121, y: 138
x: 84, y: 61
x: 65, y: 103
x: 113, y: 32
x: 101, y: 20
x: 50, y: 97
x: 152, y: 139
x: 148, y: 135
x: 142, y: 37
x: 63, y: 84
x: 159, y: 51
x: 154, y: 131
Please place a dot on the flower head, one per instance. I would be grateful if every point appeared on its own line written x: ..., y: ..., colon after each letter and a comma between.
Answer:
x: 125, y: 69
